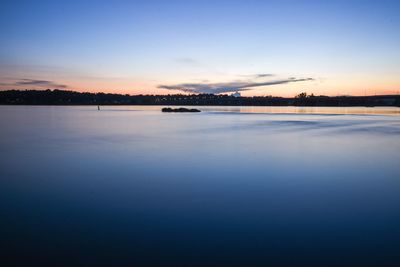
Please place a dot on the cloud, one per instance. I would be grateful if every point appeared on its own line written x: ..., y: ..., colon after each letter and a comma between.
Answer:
x: 263, y: 75
x: 257, y: 76
x: 187, y: 60
x: 217, y: 88
x: 40, y: 83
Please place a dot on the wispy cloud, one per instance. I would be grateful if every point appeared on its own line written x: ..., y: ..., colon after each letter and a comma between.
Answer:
x: 217, y: 88
x: 187, y: 60
x: 38, y: 83
x: 263, y: 75
x: 257, y: 76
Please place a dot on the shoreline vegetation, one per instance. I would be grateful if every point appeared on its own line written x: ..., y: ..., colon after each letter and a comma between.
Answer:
x: 64, y: 97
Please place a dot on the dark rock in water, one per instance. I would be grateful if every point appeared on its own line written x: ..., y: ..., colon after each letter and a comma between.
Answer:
x: 180, y: 110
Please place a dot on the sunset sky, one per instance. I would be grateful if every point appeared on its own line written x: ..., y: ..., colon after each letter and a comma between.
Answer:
x: 265, y: 47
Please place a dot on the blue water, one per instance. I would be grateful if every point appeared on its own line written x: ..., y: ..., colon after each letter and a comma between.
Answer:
x: 131, y: 186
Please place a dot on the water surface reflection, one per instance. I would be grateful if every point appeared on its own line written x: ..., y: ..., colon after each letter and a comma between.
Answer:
x: 131, y: 186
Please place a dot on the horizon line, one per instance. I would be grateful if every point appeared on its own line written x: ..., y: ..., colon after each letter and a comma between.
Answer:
x: 195, y: 94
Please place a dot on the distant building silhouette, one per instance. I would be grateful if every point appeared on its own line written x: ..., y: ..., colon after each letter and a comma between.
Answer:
x: 236, y: 94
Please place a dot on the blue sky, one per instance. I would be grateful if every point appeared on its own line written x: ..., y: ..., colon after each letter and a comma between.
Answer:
x: 322, y: 47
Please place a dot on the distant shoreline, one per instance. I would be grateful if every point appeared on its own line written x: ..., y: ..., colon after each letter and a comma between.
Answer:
x: 177, y: 105
x: 71, y: 98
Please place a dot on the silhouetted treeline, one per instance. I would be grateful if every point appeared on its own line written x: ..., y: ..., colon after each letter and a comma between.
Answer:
x: 62, y: 97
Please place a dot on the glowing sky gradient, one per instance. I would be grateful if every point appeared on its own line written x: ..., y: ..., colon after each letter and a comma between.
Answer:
x: 147, y: 47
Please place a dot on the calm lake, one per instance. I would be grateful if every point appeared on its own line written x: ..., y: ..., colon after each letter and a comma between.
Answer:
x: 230, y: 186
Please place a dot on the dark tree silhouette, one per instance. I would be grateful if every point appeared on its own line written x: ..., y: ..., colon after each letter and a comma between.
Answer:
x: 63, y: 97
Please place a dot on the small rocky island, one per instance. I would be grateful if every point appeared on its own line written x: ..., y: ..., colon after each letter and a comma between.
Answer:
x: 180, y: 110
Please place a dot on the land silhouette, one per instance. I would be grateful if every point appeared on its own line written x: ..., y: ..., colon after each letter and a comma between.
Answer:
x: 180, y: 110
x: 64, y: 97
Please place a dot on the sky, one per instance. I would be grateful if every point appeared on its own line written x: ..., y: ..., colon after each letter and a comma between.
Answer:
x: 265, y: 47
